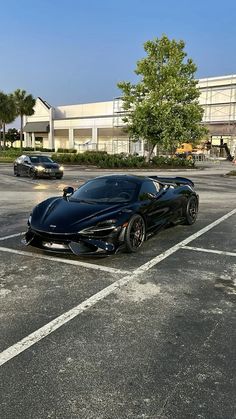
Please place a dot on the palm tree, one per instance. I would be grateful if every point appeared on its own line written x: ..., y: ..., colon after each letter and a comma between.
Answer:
x: 24, y: 106
x: 8, y: 115
x: 2, y: 107
x: 7, y: 112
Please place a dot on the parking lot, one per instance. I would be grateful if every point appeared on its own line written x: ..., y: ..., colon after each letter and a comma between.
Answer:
x: 145, y: 335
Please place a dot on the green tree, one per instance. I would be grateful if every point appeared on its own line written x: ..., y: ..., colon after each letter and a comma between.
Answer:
x: 12, y: 135
x: 7, y: 113
x: 163, y: 108
x: 24, y: 106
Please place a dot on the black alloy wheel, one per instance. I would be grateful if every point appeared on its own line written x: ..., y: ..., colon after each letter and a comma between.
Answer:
x: 191, y: 210
x: 135, y: 233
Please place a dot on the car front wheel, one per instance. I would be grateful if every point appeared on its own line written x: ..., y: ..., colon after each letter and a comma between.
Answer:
x: 135, y: 233
x: 32, y: 174
x: 191, y: 210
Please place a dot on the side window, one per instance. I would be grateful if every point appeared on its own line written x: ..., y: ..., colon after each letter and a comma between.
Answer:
x: 148, y: 187
x: 26, y: 160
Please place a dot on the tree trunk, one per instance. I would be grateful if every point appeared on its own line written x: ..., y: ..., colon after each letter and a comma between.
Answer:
x: 0, y: 139
x: 150, y: 151
x: 3, y: 135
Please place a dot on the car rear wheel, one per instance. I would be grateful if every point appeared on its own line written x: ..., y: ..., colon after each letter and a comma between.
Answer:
x: 16, y: 173
x: 135, y: 233
x: 191, y: 210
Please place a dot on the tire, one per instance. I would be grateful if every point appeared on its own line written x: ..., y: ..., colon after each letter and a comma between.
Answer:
x: 191, y: 210
x: 32, y: 174
x: 59, y: 176
x: 16, y: 173
x: 135, y: 234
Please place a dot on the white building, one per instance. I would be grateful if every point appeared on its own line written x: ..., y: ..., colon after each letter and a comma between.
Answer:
x: 218, y: 99
x: 99, y: 126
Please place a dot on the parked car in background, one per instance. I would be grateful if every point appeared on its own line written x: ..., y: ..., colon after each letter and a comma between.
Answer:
x: 109, y: 213
x: 37, y: 166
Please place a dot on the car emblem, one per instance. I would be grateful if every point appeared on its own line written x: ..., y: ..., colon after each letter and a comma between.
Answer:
x: 52, y: 226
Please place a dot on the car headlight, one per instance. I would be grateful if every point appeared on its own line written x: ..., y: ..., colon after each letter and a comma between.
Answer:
x: 61, y: 168
x: 105, y: 227
x: 40, y: 168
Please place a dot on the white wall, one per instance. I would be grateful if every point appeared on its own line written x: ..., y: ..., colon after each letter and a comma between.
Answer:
x: 41, y: 113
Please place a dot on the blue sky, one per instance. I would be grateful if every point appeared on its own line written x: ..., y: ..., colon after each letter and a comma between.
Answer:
x: 74, y: 51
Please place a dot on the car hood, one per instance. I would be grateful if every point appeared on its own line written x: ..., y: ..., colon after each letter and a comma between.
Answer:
x: 61, y: 215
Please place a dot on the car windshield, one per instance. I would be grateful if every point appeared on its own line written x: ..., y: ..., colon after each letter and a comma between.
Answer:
x: 106, y: 190
x: 40, y: 159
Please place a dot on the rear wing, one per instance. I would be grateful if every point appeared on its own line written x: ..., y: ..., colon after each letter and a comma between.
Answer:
x: 170, y: 180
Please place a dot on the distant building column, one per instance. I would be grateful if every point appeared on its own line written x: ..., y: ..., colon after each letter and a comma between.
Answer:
x: 95, y: 137
x: 51, y: 142
x: 71, y: 138
x: 27, y: 139
x: 26, y: 142
x: 32, y: 140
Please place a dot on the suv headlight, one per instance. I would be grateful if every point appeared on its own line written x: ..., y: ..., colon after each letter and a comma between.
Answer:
x: 61, y: 168
x: 40, y: 168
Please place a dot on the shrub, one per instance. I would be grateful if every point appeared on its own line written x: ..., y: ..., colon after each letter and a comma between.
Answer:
x: 62, y: 150
x: 10, y: 152
x: 43, y: 149
x: 66, y: 150
x: 172, y: 162
x: 110, y: 161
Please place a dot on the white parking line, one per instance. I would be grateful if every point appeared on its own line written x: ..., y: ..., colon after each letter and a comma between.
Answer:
x: 218, y: 252
x: 50, y: 327
x: 67, y: 261
x: 184, y: 242
x: 12, y: 235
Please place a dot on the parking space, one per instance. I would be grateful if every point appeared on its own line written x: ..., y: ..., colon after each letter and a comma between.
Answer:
x: 146, y: 335
x: 31, y: 300
x: 220, y: 239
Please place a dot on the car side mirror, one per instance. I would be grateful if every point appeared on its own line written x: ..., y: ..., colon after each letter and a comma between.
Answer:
x: 67, y: 191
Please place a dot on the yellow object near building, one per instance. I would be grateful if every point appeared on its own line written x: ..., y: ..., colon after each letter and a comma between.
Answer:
x: 184, y: 148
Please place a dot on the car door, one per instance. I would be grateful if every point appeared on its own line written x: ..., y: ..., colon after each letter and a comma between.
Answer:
x: 25, y: 166
x: 158, y: 203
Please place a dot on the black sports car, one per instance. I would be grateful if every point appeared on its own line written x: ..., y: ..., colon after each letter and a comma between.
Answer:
x: 37, y: 166
x: 109, y: 213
